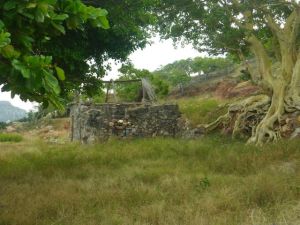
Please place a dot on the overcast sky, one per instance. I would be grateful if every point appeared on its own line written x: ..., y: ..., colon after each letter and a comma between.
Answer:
x: 152, y: 57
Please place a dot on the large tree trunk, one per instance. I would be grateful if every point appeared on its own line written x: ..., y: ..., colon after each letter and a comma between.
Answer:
x: 261, y: 116
x: 282, y: 79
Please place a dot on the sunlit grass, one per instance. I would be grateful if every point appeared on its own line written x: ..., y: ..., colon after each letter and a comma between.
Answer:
x: 5, y: 137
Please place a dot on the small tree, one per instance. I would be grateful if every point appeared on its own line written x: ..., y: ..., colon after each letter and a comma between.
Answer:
x: 132, y: 91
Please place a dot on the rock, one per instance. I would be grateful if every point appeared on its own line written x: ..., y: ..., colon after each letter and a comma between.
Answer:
x: 11, y: 129
x: 47, y: 129
x: 286, y: 128
x: 296, y: 133
x: 230, y: 89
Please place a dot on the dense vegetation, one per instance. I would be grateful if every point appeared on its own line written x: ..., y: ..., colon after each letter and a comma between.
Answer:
x: 29, y: 34
x: 132, y: 91
x: 167, y: 77
x: 181, y: 72
x: 49, y: 48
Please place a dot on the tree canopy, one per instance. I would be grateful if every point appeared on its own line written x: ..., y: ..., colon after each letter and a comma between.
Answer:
x: 264, y: 29
x: 133, y: 91
x: 223, y: 26
x: 27, y: 66
x: 181, y: 71
x: 128, y: 31
x: 51, y: 47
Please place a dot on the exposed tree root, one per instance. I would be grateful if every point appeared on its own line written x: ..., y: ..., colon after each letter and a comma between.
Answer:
x: 242, y: 116
x: 258, y: 118
x: 265, y: 131
x: 222, y: 120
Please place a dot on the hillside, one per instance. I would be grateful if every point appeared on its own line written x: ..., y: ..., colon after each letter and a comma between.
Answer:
x: 8, y: 112
x: 226, y: 83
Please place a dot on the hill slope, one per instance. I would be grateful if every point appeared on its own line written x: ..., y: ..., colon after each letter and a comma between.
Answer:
x: 10, y: 112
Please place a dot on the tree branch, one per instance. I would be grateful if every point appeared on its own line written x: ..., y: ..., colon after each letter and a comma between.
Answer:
x: 275, y: 28
x: 294, y: 26
x: 264, y: 62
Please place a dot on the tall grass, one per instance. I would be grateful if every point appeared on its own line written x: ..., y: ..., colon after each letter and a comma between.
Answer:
x: 212, y: 181
x: 201, y: 110
x: 5, y: 137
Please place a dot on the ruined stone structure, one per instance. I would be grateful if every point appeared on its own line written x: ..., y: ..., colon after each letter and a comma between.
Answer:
x: 98, y: 122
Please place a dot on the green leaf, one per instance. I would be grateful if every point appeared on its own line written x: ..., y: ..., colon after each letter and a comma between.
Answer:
x: 1, y: 25
x: 59, y: 27
x: 18, y: 65
x: 104, y: 22
x: 9, y: 52
x: 26, y: 72
x: 55, y: 101
x: 28, y: 15
x: 9, y: 5
x: 60, y: 17
x: 39, y: 16
x: 51, y: 83
x: 31, y: 5
x: 27, y: 41
x: 60, y: 73
x: 4, y: 39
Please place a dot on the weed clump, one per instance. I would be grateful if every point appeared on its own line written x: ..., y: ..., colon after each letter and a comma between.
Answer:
x: 10, y: 137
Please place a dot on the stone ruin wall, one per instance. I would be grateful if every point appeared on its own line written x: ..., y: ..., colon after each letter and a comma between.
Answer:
x: 96, y: 123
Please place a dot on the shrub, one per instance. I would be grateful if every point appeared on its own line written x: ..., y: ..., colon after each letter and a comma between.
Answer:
x: 10, y: 137
x: 3, y: 125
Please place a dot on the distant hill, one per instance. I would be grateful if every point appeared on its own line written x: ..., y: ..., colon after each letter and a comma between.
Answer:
x: 8, y: 112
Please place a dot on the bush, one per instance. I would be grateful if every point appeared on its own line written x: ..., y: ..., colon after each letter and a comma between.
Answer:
x: 3, y: 125
x: 10, y: 137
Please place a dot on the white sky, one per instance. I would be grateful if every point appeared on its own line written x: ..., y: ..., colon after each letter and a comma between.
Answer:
x: 158, y: 54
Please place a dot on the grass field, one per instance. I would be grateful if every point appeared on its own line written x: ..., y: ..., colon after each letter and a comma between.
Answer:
x: 210, y: 181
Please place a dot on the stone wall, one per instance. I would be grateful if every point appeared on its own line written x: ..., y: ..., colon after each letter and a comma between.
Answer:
x: 96, y: 123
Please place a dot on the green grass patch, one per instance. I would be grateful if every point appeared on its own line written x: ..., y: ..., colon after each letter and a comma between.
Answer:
x: 10, y: 137
x: 201, y: 110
